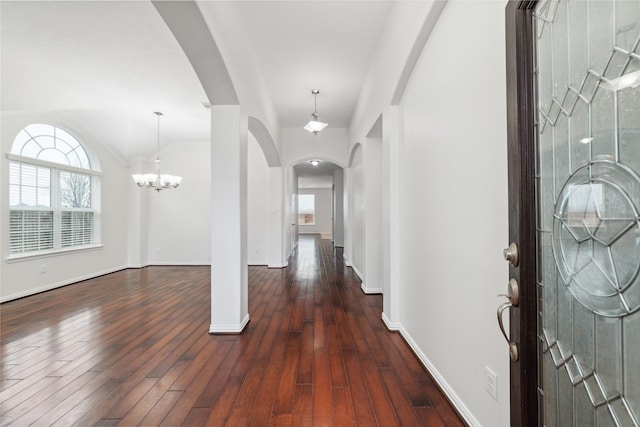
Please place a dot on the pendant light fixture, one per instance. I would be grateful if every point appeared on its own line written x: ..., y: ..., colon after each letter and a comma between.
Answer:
x: 314, y: 126
x: 156, y: 180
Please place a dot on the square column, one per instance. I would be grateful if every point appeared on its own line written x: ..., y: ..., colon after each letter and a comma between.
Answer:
x: 229, y: 289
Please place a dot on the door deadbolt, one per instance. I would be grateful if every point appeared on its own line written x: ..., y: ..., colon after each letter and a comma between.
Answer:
x: 511, y: 254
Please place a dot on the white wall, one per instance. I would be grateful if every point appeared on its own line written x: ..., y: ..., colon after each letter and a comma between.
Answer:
x: 338, y: 208
x: 330, y: 145
x: 137, y: 224
x: 179, y: 220
x: 438, y: 80
x: 356, y: 219
x: 454, y: 220
x: 373, y: 216
x: 323, y: 211
x: 404, y: 26
x: 364, y: 250
x: 257, y: 204
x: 276, y: 250
x: 290, y: 219
x: 23, y: 277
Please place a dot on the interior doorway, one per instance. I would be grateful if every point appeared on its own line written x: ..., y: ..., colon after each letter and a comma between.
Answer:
x: 320, y: 195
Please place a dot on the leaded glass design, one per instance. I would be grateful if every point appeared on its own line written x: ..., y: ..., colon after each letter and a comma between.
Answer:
x: 50, y: 143
x: 588, y: 222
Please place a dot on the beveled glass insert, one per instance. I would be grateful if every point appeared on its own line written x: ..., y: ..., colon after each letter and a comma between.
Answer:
x: 584, y: 408
x: 587, y: 69
x: 595, y: 232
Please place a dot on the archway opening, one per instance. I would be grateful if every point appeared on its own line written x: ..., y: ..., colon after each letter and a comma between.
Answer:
x: 319, y: 199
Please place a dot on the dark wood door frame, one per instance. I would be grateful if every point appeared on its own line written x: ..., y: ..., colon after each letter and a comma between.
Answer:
x: 522, y: 214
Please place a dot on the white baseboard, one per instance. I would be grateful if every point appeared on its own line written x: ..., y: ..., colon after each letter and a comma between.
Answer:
x: 355, y: 270
x: 178, y: 263
x: 164, y: 264
x: 5, y: 298
x: 229, y: 329
x: 455, y: 400
x: 137, y: 266
x: 370, y: 291
x: 276, y: 266
x: 392, y: 326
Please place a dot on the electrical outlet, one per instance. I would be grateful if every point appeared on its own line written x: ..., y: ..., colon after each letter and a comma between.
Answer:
x: 491, y: 382
x: 43, y: 268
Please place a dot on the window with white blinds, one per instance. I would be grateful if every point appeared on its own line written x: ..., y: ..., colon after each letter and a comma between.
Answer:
x: 53, y: 193
x: 30, y: 230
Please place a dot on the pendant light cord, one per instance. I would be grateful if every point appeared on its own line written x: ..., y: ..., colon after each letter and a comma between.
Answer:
x: 315, y: 93
x: 157, y: 113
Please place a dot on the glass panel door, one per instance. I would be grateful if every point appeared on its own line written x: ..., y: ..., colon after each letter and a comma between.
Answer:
x: 588, y: 211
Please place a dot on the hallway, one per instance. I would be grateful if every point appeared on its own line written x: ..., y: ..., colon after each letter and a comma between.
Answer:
x: 130, y: 348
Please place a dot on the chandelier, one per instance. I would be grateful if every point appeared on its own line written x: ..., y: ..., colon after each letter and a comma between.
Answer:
x: 157, y: 181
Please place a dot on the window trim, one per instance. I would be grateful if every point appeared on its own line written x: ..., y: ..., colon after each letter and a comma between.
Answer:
x: 53, y: 165
x: 48, y: 253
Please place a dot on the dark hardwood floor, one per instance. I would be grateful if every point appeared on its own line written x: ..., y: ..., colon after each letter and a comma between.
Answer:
x: 132, y: 348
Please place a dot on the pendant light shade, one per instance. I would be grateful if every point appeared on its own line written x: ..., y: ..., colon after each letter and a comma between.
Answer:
x: 314, y: 126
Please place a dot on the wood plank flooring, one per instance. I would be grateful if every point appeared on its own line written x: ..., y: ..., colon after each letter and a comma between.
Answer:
x: 132, y: 348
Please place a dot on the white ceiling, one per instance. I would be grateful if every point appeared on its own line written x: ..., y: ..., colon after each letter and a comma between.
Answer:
x: 113, y: 63
x: 305, y: 45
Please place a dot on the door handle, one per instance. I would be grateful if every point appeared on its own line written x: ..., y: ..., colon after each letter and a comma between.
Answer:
x: 501, y: 308
x: 513, y: 296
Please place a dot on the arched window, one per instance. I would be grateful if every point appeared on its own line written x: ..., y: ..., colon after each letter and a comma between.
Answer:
x: 53, y: 193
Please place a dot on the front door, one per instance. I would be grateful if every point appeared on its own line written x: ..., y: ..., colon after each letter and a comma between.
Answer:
x: 574, y: 164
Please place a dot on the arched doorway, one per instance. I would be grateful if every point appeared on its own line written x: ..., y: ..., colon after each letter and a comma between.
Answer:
x: 319, y: 199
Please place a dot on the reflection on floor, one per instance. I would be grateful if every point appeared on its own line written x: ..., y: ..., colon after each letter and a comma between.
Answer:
x: 131, y: 348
